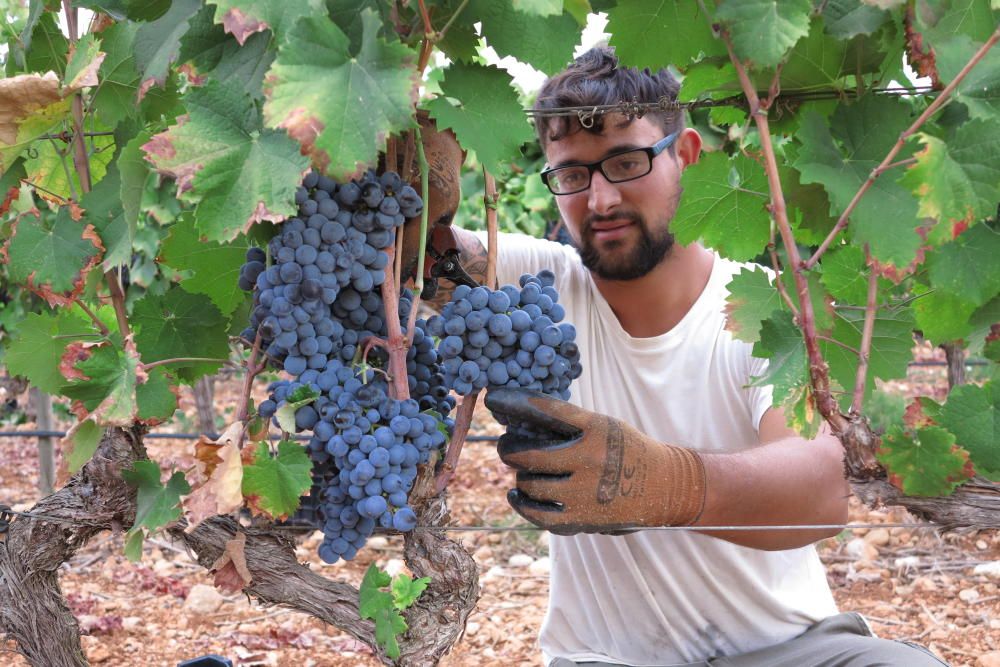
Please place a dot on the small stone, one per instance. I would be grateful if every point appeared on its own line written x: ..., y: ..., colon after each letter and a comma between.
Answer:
x: 995, y: 624
x: 543, y: 540
x: 203, y: 600
x: 483, y: 554
x: 542, y: 566
x: 527, y: 587
x: 520, y: 560
x: 968, y: 594
x: 858, y: 549
x: 906, y: 563
x: 924, y: 584
x: 394, y: 567
x: 991, y: 569
x: 991, y: 659
x: 377, y: 542
x: 131, y: 623
x: 493, y: 573
x: 878, y: 537
x: 98, y: 654
x: 982, y: 545
x: 471, y: 628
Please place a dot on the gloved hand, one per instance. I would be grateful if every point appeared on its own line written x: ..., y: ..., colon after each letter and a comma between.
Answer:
x: 444, y: 158
x: 595, y: 474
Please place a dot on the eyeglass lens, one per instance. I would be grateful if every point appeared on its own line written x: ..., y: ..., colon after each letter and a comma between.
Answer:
x: 617, y: 168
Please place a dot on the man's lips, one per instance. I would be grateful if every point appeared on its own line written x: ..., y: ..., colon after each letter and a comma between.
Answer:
x: 609, y: 230
x: 608, y: 226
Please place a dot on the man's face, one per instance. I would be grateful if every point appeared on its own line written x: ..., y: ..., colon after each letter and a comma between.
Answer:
x: 621, y: 229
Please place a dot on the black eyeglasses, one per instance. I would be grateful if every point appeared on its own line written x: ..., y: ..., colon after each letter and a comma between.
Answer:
x: 618, y: 168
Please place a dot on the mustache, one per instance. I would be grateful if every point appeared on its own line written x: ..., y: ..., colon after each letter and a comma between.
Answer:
x: 590, y: 220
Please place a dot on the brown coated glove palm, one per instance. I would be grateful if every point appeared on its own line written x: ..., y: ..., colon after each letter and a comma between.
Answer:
x: 592, y: 473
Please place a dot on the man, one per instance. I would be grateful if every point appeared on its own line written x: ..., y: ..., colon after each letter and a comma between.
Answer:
x: 664, y: 427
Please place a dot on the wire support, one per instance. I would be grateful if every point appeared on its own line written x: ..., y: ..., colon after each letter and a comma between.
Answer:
x: 194, y: 436
x: 823, y: 526
x: 635, y: 108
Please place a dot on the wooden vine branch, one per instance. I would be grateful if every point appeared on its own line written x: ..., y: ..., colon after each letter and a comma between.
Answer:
x: 33, y: 611
x: 864, y: 353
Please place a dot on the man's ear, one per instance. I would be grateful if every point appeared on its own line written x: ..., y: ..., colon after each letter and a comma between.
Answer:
x: 688, y: 147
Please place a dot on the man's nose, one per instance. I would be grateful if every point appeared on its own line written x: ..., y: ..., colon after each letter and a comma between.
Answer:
x: 603, y: 196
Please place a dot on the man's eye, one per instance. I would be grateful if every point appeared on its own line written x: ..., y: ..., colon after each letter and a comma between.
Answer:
x: 571, y: 178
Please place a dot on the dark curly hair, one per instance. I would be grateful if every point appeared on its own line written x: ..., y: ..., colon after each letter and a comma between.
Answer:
x: 595, y: 78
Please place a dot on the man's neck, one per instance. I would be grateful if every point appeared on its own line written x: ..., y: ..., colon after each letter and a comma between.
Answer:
x: 654, y: 304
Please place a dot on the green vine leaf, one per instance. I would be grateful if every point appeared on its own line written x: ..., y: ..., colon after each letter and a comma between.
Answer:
x: 972, y: 413
x: 763, y: 31
x: 52, y: 254
x: 654, y: 34
x: 782, y: 345
x: 316, y: 82
x: 157, y: 42
x: 840, y: 154
x: 926, y: 462
x: 179, y: 324
x: 751, y: 300
x: 102, y: 381
x: 38, y: 343
x: 487, y: 118
x: 274, y: 484
x: 285, y: 415
x: 724, y: 205
x: 157, y: 504
x: 236, y: 172
x: 116, y: 97
x: 406, y: 591
x: 215, y: 267
x: 967, y: 267
x: 545, y: 43
x: 82, y: 439
x: 81, y: 71
x: 379, y: 606
x: 845, y: 19
x: 940, y: 316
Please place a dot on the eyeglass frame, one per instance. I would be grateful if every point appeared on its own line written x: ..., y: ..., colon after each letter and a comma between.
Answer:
x: 650, y: 151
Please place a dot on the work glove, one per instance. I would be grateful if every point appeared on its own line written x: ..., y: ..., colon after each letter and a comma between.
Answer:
x: 586, y: 472
x: 444, y: 158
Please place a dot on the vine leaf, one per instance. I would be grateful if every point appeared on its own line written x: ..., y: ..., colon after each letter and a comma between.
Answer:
x: 782, y: 345
x: 845, y: 19
x: 82, y: 440
x: 844, y: 274
x: 654, y: 34
x: 156, y: 397
x: 85, y: 59
x: 957, y: 182
x: 157, y: 504
x: 840, y: 153
x: 724, y: 204
x: 38, y: 344
x: 180, y: 324
x: 207, y: 50
x: 116, y: 97
x: 217, y: 481
x: 546, y: 43
x: 379, y: 606
x: 978, y: 90
x: 105, y: 212
x: 243, y: 18
x: 924, y: 462
x: 285, y: 415
x: 103, y: 378
x: 31, y: 105
x: 539, y: 7
x: 215, y: 267
x: 157, y: 43
x: 274, y: 484
x: 231, y: 572
x: 236, y: 172
x: 967, y: 266
x: 764, y: 30
x: 133, y: 171
x: 942, y: 316
x: 52, y: 253
x: 751, y: 300
x: 972, y: 414
x: 487, y: 119
x: 406, y: 590
x: 316, y: 84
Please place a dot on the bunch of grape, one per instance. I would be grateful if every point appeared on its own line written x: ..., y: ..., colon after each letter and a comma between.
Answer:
x: 507, y: 338
x: 314, y: 307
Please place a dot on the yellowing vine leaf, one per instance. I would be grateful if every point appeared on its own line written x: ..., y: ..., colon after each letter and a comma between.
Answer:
x: 217, y: 481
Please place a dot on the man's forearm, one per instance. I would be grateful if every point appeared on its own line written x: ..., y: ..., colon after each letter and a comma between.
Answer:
x: 791, y: 481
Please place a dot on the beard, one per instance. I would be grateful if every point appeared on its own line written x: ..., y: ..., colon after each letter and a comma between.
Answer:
x: 617, y: 261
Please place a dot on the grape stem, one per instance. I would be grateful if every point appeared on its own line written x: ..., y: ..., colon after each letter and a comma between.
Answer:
x: 181, y: 360
x: 396, y: 344
x: 490, y: 200
x: 864, y: 354
x: 100, y: 325
x: 463, y: 420
x: 418, y: 283
x: 253, y: 367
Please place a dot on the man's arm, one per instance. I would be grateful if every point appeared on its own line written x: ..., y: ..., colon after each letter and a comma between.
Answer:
x: 472, y: 255
x: 786, y: 481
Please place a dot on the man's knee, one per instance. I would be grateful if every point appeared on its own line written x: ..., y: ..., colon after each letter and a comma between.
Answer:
x: 874, y: 652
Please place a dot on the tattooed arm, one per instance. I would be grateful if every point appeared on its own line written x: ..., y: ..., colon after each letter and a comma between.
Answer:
x: 472, y: 255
